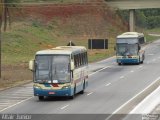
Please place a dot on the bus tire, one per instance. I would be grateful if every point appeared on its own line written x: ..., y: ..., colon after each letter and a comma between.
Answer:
x: 74, y: 92
x: 119, y: 63
x: 143, y: 59
x: 142, y: 62
x: 41, y: 98
x: 139, y: 61
x: 81, y: 92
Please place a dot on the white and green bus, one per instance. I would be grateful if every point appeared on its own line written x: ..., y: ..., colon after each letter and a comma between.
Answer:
x: 60, y: 71
x: 128, y: 48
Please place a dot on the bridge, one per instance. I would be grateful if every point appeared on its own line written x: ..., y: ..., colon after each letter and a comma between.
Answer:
x: 131, y: 5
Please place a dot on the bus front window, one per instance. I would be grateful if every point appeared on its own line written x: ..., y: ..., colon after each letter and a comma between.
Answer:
x: 52, y: 67
x: 60, y: 69
x: 124, y: 49
x: 43, y: 68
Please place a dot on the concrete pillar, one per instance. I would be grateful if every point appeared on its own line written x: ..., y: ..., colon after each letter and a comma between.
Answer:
x: 132, y: 20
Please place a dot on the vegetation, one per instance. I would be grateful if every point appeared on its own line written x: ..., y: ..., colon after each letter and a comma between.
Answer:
x: 147, y: 18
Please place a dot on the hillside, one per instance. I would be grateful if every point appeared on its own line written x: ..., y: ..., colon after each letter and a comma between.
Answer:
x: 36, y: 27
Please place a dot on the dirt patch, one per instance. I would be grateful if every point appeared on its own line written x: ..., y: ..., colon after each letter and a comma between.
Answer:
x: 13, y: 75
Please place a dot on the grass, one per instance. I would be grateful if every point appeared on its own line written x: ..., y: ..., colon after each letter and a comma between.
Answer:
x: 20, y: 44
x: 150, y: 38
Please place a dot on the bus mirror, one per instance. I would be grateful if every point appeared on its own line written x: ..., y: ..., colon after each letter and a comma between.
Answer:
x: 72, y: 65
x: 31, y: 65
x: 115, y: 48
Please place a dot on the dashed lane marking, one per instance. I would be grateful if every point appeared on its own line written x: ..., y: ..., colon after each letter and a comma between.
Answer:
x: 108, y: 84
x: 90, y: 93
x: 140, y: 66
x: 121, y: 77
x: 64, y: 107
x: 16, y: 104
x: 98, y: 71
x: 150, y: 54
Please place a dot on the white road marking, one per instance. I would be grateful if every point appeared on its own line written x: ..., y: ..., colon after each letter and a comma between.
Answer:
x: 108, y: 84
x: 140, y: 66
x: 106, y: 59
x: 4, y: 103
x: 98, y: 71
x: 131, y: 71
x: 121, y: 77
x: 21, y: 94
x: 154, y: 60
x: 147, y: 62
x: 115, y: 112
x: 159, y: 57
x: 90, y: 93
x: 14, y: 97
x: 16, y: 104
x: 151, y: 54
x: 64, y: 107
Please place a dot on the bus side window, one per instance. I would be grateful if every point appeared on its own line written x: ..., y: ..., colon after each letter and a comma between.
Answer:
x: 75, y: 61
x: 79, y: 57
x: 72, y: 74
x: 86, y: 57
x: 83, y: 60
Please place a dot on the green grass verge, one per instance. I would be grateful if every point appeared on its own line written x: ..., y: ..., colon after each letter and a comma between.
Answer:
x: 150, y: 38
x: 20, y: 44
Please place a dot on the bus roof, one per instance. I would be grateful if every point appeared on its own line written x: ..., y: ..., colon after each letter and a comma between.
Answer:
x: 63, y: 50
x: 130, y: 35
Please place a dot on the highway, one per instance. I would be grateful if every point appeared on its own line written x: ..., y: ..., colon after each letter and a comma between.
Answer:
x: 110, y: 88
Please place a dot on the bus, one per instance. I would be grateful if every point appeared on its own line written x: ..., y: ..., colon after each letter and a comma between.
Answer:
x: 60, y: 71
x: 129, y: 48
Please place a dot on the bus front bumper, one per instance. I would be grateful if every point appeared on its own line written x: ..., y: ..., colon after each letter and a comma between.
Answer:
x: 128, y: 60
x: 45, y: 92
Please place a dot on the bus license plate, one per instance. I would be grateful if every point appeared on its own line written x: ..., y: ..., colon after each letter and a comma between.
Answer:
x: 51, y: 93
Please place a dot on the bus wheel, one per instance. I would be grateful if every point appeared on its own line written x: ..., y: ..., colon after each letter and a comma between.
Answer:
x: 139, y: 62
x: 119, y: 63
x: 41, y: 97
x: 83, y: 88
x: 72, y: 97
x: 142, y: 59
x: 142, y: 62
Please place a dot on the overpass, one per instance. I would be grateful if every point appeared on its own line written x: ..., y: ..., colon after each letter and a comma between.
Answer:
x: 131, y: 5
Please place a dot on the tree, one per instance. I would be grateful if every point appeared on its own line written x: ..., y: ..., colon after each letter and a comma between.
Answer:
x: 4, y: 19
x: 1, y: 21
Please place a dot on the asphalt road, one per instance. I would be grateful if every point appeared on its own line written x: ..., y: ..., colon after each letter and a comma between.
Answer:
x: 110, y: 87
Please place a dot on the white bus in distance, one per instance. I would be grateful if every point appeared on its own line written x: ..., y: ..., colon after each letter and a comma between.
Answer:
x: 60, y: 71
x: 128, y: 48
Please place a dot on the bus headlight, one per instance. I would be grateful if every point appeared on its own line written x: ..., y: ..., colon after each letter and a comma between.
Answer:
x: 37, y: 87
x: 66, y: 87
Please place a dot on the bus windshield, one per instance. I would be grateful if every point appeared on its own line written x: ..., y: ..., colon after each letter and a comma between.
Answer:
x: 124, y: 49
x: 50, y: 68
